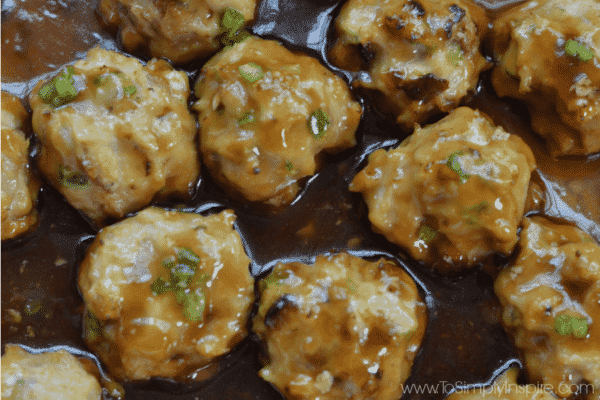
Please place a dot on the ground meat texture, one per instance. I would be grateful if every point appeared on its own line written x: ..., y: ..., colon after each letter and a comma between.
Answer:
x: 548, y: 55
x: 266, y: 115
x: 422, y: 57
x: 451, y: 194
x: 178, y: 30
x: 551, y: 301
x: 505, y: 387
x: 341, y: 328
x: 46, y: 376
x: 165, y: 293
x: 123, y: 138
x: 19, y: 187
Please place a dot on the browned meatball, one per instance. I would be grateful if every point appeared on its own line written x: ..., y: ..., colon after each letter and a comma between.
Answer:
x: 551, y: 304
x: 422, y: 57
x: 453, y: 193
x: 266, y: 115
x: 548, y: 53
x: 19, y: 187
x: 165, y: 293
x: 341, y: 328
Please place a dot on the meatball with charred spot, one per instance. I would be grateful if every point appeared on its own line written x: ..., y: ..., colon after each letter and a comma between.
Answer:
x: 46, y: 376
x: 178, y: 30
x: 116, y: 134
x: 451, y: 194
x: 550, y: 297
x: 166, y: 293
x: 548, y: 55
x: 19, y: 186
x: 266, y: 115
x: 341, y: 328
x: 422, y: 57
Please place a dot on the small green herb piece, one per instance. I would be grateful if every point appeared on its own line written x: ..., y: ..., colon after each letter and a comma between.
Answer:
x: 130, y: 90
x: 33, y: 307
x: 93, y: 326
x: 60, y: 90
x: 193, y: 305
x: 578, y: 50
x: 427, y: 234
x: 246, y: 119
x: 276, y: 277
x: 454, y: 56
x: 232, y: 38
x: 454, y: 164
x: 232, y: 20
x: 251, y: 72
x: 72, y: 179
x: 289, y: 166
x: 567, y: 325
x: 473, y: 213
x: 318, y: 123
x: 351, y: 285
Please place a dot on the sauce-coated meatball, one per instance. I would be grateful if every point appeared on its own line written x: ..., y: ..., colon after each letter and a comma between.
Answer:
x: 165, y: 293
x: 116, y: 134
x: 46, y: 376
x: 19, y: 187
x: 551, y: 301
x: 266, y: 116
x: 453, y: 191
x: 178, y: 30
x: 341, y: 328
x: 549, y: 56
x: 422, y: 56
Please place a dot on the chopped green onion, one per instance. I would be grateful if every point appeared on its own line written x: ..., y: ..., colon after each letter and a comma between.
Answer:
x: 251, y: 72
x: 33, y: 307
x: 72, y: 179
x: 351, y: 285
x: 473, y: 213
x: 159, y: 286
x: 193, y: 305
x: 232, y: 20
x: 232, y: 38
x: 567, y: 325
x: 318, y: 123
x: 289, y: 166
x: 246, y: 119
x: 188, y: 257
x: 93, y: 327
x: 60, y: 90
x: 427, y: 234
x: 130, y: 90
x: 455, y: 55
x: 454, y: 164
x: 578, y: 50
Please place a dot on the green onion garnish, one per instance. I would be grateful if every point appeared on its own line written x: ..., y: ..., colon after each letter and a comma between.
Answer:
x: 578, y: 50
x: 246, y: 119
x: 567, y: 325
x: 72, y: 179
x: 289, y: 166
x: 60, y: 90
x: 318, y: 123
x: 427, y: 234
x: 251, y: 72
x: 232, y: 20
x: 454, y: 164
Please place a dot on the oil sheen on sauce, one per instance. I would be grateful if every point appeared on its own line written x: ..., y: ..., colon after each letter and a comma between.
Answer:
x: 464, y: 343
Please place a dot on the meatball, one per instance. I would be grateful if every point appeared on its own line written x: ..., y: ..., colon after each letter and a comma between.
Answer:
x: 165, y: 293
x: 422, y: 57
x: 505, y: 387
x: 178, y: 30
x: 341, y: 328
x: 116, y: 134
x: 549, y: 56
x: 550, y: 296
x: 19, y: 187
x: 266, y: 114
x: 452, y: 193
x: 46, y: 376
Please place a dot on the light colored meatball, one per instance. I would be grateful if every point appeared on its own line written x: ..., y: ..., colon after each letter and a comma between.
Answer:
x: 551, y: 301
x: 549, y: 55
x: 46, y: 376
x: 505, y: 387
x: 422, y: 57
x: 178, y: 30
x: 19, y: 187
x: 451, y: 194
x: 116, y: 134
x: 165, y: 293
x: 341, y: 328
x: 266, y: 116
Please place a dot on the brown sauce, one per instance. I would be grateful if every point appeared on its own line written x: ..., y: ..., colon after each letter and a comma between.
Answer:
x: 464, y: 343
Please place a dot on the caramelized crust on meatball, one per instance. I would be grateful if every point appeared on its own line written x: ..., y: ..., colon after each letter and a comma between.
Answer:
x: 116, y: 134
x: 422, y: 56
x: 341, y: 328
x: 178, y: 30
x: 550, y: 297
x: 46, y: 376
x: 19, y: 187
x: 451, y: 194
x: 266, y: 114
x: 165, y: 293
x: 548, y: 54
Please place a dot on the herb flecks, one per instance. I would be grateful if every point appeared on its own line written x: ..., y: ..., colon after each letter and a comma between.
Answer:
x: 232, y: 24
x: 567, y: 325
x: 60, y: 90
x: 252, y: 72
x: 72, y: 179
x: 318, y: 123
x: 454, y: 164
x: 427, y: 234
x: 578, y: 50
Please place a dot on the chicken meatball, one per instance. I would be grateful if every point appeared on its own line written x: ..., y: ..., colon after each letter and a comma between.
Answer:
x: 422, y: 57
x: 19, y: 187
x: 116, y: 134
x: 165, y: 293
x: 266, y: 115
x: 551, y: 300
x: 341, y: 328
x: 549, y: 56
x: 178, y: 30
x: 451, y: 194
x: 46, y: 376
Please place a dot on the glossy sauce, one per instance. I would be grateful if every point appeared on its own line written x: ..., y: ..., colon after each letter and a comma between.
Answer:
x: 464, y: 343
